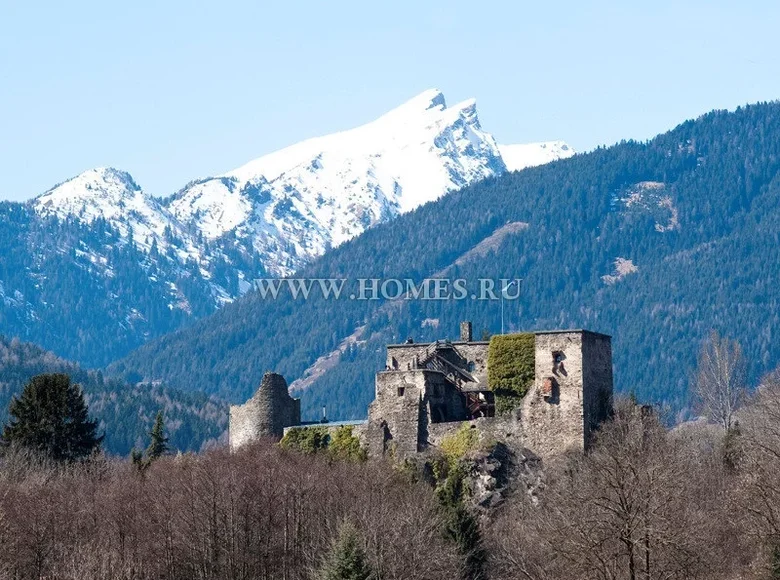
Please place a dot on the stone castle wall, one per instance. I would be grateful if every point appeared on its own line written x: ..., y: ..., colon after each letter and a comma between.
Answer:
x: 406, y: 356
x: 571, y: 393
x: 415, y: 408
x: 570, y: 396
x: 266, y: 414
x: 394, y: 416
x: 553, y: 420
x: 597, y: 381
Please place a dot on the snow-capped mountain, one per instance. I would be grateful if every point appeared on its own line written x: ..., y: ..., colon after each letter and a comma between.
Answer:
x: 99, y: 248
x: 112, y: 195
x: 290, y: 206
x: 295, y: 203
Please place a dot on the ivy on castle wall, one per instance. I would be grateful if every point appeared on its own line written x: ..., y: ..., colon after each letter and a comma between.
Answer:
x: 510, y: 368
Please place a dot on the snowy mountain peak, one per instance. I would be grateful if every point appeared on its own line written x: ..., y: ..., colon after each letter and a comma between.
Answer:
x: 281, y: 210
x: 293, y: 204
x: 100, y: 192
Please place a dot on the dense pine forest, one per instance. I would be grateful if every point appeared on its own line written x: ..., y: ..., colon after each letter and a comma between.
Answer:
x: 97, y: 287
x: 126, y: 412
x: 655, y: 243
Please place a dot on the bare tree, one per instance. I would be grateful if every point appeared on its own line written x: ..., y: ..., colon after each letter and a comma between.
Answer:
x: 642, y: 505
x: 759, y: 496
x: 721, y: 379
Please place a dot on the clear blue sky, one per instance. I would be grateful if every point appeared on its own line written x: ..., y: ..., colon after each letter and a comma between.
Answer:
x: 171, y: 91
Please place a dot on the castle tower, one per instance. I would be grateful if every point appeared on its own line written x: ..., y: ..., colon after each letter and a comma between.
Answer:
x: 266, y: 414
x: 572, y: 391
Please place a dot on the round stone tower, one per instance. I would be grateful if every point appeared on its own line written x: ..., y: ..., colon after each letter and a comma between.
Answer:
x: 266, y: 414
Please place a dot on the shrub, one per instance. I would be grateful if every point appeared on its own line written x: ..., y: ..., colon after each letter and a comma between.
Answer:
x: 341, y: 444
x: 460, y: 443
x: 306, y: 440
x: 345, y: 445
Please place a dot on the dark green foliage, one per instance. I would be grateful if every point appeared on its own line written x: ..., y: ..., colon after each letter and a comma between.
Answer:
x: 158, y: 445
x: 697, y: 210
x: 50, y: 417
x: 159, y: 442
x: 460, y: 526
x: 125, y: 411
x: 347, y: 557
x: 510, y: 368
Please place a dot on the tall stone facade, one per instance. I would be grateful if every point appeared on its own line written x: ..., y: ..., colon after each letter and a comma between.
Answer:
x: 416, y: 406
x: 406, y: 403
x: 572, y: 391
x: 266, y: 414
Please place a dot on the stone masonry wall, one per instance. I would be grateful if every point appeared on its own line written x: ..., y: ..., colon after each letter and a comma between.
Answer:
x: 405, y: 356
x: 507, y: 429
x: 266, y: 414
x: 394, y: 416
x: 597, y: 379
x: 407, y: 404
x: 552, y: 417
x: 571, y: 395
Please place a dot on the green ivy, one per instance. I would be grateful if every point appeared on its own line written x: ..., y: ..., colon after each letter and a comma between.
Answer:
x: 511, y: 363
x: 305, y: 439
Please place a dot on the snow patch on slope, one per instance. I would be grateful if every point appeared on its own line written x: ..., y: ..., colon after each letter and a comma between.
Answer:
x: 517, y: 157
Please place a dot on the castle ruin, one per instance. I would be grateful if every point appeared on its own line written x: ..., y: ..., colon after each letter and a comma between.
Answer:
x: 266, y: 414
x: 428, y: 390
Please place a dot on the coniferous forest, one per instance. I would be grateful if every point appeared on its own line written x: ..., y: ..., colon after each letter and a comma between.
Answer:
x: 125, y: 411
x: 655, y: 243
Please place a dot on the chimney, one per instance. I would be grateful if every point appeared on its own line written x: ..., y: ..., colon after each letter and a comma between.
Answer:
x: 465, y: 331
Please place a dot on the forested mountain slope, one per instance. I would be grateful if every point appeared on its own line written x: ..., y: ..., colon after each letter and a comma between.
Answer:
x: 126, y: 412
x: 655, y: 243
x: 96, y: 266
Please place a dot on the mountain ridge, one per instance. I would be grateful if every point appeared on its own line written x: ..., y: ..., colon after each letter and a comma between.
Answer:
x: 96, y: 253
x: 617, y: 241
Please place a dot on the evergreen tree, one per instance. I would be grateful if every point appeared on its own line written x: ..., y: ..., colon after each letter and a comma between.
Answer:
x: 460, y: 526
x: 158, y: 445
x: 346, y: 559
x: 159, y: 442
x: 52, y: 418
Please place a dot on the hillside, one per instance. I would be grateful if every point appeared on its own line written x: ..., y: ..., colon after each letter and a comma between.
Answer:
x: 126, y: 412
x: 655, y: 243
x: 100, y: 255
